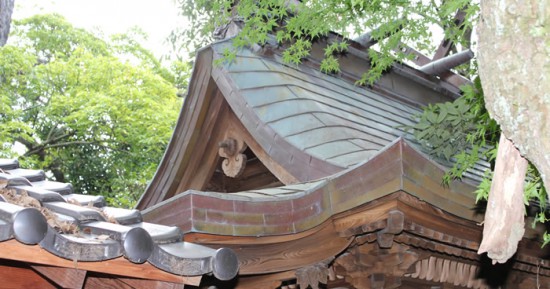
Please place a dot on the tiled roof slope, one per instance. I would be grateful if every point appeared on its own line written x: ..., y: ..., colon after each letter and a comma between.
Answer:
x: 327, y: 117
x: 95, y: 231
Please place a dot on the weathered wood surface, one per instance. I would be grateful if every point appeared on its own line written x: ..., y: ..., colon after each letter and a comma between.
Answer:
x: 150, y: 284
x: 105, y: 282
x: 291, y: 254
x: 232, y: 149
x: 504, y: 223
x: 185, y: 135
x: 13, y: 250
x: 444, y: 270
x: 66, y: 278
x: 255, y: 176
x: 16, y: 275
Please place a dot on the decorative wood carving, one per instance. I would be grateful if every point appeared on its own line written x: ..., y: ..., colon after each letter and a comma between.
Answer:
x: 313, y: 275
x: 448, y: 271
x: 235, y: 161
x: 368, y: 266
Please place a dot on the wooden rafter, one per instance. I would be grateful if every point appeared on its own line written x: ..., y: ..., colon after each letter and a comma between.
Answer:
x: 67, y: 278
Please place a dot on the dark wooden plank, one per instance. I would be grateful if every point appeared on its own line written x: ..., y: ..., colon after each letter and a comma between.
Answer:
x: 149, y: 284
x: 105, y: 282
x: 18, y: 275
x: 69, y: 278
x: 261, y: 255
x: 204, y: 154
x: 264, y: 281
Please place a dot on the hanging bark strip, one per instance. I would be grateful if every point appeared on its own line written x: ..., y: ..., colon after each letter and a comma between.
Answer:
x: 504, y: 219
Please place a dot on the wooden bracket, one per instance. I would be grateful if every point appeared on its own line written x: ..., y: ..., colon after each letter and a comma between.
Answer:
x: 235, y: 161
x: 313, y: 275
x: 368, y: 266
x: 393, y: 227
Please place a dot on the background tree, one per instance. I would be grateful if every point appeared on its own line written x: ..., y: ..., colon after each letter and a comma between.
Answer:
x: 95, y: 113
x: 6, y: 10
x: 461, y: 131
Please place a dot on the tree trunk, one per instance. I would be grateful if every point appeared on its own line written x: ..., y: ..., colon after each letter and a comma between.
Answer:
x: 514, y: 67
x: 6, y: 9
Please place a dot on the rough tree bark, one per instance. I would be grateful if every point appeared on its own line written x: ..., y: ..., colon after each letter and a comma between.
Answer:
x: 6, y: 9
x: 514, y: 67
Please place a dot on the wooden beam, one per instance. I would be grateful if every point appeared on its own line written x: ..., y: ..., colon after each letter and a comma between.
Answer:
x: 149, y: 284
x: 67, y: 278
x: 290, y: 255
x: 262, y: 255
x: 13, y: 250
x: 264, y: 281
x: 14, y: 275
x: 105, y: 282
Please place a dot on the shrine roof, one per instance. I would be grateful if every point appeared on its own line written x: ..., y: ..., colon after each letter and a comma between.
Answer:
x: 328, y: 117
x: 310, y: 124
x: 291, y: 209
x: 82, y: 228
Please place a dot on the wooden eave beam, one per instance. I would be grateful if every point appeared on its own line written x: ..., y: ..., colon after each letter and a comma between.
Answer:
x: 149, y: 284
x: 267, y: 257
x: 20, y: 275
x: 66, y: 278
x: 425, y: 227
x: 13, y: 250
x: 265, y: 280
x: 421, y: 60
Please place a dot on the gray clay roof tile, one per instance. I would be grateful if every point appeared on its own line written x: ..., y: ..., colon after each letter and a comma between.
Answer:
x: 95, y: 232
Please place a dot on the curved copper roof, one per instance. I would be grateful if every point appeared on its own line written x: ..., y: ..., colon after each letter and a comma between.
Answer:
x: 311, y: 124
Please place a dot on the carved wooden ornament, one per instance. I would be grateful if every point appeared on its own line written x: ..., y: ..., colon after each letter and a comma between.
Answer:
x: 235, y: 161
x: 313, y: 275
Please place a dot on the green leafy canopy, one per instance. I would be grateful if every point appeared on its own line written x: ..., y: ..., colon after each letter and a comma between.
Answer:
x: 298, y: 24
x: 96, y: 113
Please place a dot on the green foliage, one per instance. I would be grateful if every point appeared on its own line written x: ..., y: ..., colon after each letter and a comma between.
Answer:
x: 463, y: 133
x: 94, y: 113
x: 298, y: 24
x: 460, y: 131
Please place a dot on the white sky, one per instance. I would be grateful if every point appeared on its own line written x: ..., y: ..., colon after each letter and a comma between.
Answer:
x: 156, y: 17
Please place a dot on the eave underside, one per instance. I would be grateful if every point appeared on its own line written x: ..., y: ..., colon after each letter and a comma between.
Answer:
x: 353, y: 246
